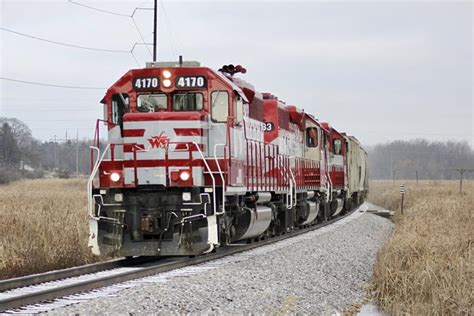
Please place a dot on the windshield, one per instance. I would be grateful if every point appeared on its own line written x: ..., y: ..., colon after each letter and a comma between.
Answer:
x: 187, y: 101
x: 152, y: 102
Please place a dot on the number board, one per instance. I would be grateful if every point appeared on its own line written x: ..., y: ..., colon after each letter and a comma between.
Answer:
x: 191, y: 82
x: 146, y: 83
x: 268, y: 126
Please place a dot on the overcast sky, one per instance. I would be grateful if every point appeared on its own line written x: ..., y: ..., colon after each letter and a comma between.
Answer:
x: 378, y: 70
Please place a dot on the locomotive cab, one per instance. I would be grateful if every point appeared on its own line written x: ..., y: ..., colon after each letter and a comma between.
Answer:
x: 337, y: 153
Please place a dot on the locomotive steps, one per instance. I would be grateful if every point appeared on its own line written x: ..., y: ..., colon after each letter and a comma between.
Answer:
x: 51, y: 291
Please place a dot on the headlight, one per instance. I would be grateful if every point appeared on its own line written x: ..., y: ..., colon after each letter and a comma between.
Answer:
x: 118, y: 197
x: 114, y: 176
x: 186, y: 196
x: 166, y: 83
x: 166, y: 74
x: 184, y: 175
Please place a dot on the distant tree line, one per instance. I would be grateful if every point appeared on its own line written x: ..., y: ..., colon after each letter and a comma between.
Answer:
x: 21, y: 155
x: 429, y: 160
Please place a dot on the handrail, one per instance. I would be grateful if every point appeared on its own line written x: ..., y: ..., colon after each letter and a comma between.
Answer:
x: 200, y: 201
x: 96, y: 140
x: 328, y: 182
x: 212, y: 220
x: 104, y: 204
x: 191, y: 217
x: 292, y: 180
x: 222, y: 176
x: 329, y: 195
x: 92, y: 176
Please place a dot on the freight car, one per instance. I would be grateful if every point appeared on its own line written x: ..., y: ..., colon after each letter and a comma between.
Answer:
x: 196, y: 159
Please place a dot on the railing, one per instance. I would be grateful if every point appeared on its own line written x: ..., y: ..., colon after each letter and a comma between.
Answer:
x: 96, y: 141
x: 212, y: 177
x: 95, y: 168
x: 221, y: 174
x: 268, y: 170
x: 263, y: 167
x: 307, y: 173
x: 289, y: 196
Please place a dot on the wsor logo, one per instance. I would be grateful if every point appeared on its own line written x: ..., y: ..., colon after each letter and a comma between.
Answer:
x: 160, y: 141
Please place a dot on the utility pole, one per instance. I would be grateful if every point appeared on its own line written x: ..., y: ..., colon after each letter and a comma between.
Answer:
x: 56, y: 141
x: 77, y: 152
x: 461, y: 173
x: 155, y: 13
x: 416, y: 172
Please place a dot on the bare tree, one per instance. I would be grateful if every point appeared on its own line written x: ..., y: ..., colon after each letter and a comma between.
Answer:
x: 10, y: 153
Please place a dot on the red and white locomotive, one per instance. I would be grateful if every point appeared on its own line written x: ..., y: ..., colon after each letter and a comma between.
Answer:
x: 196, y: 159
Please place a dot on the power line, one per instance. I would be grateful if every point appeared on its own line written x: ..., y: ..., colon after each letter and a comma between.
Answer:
x: 141, y: 36
x: 171, y: 29
x: 84, y: 120
x: 97, y: 9
x: 55, y: 128
x: 50, y: 110
x: 51, y: 85
x: 64, y: 44
x: 131, y: 16
x: 384, y: 133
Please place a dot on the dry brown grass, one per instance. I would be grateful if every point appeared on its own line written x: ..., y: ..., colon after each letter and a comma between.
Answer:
x: 43, y: 226
x: 426, y: 267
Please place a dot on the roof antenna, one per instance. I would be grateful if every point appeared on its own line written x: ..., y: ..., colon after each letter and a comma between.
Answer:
x: 180, y: 61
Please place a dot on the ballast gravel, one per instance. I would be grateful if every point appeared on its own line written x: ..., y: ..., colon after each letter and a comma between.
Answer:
x: 319, y: 272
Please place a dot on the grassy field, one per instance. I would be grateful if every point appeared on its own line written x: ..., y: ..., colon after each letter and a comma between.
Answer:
x: 426, y: 267
x: 43, y: 226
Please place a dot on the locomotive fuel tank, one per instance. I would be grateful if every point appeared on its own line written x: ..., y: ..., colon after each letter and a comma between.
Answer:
x: 313, y: 208
x: 259, y: 219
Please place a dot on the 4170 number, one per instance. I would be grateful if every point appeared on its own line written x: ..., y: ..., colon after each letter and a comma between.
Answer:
x: 190, y: 82
x: 146, y: 83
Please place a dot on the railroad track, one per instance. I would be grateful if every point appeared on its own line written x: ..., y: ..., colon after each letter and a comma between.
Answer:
x: 46, y: 287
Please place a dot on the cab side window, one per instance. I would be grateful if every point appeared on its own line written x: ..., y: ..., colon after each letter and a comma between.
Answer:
x: 337, y: 146
x: 219, y: 106
x: 239, y: 109
x: 311, y: 137
x: 120, y: 106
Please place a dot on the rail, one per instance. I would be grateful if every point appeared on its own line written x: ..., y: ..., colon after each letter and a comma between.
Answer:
x: 33, y: 279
